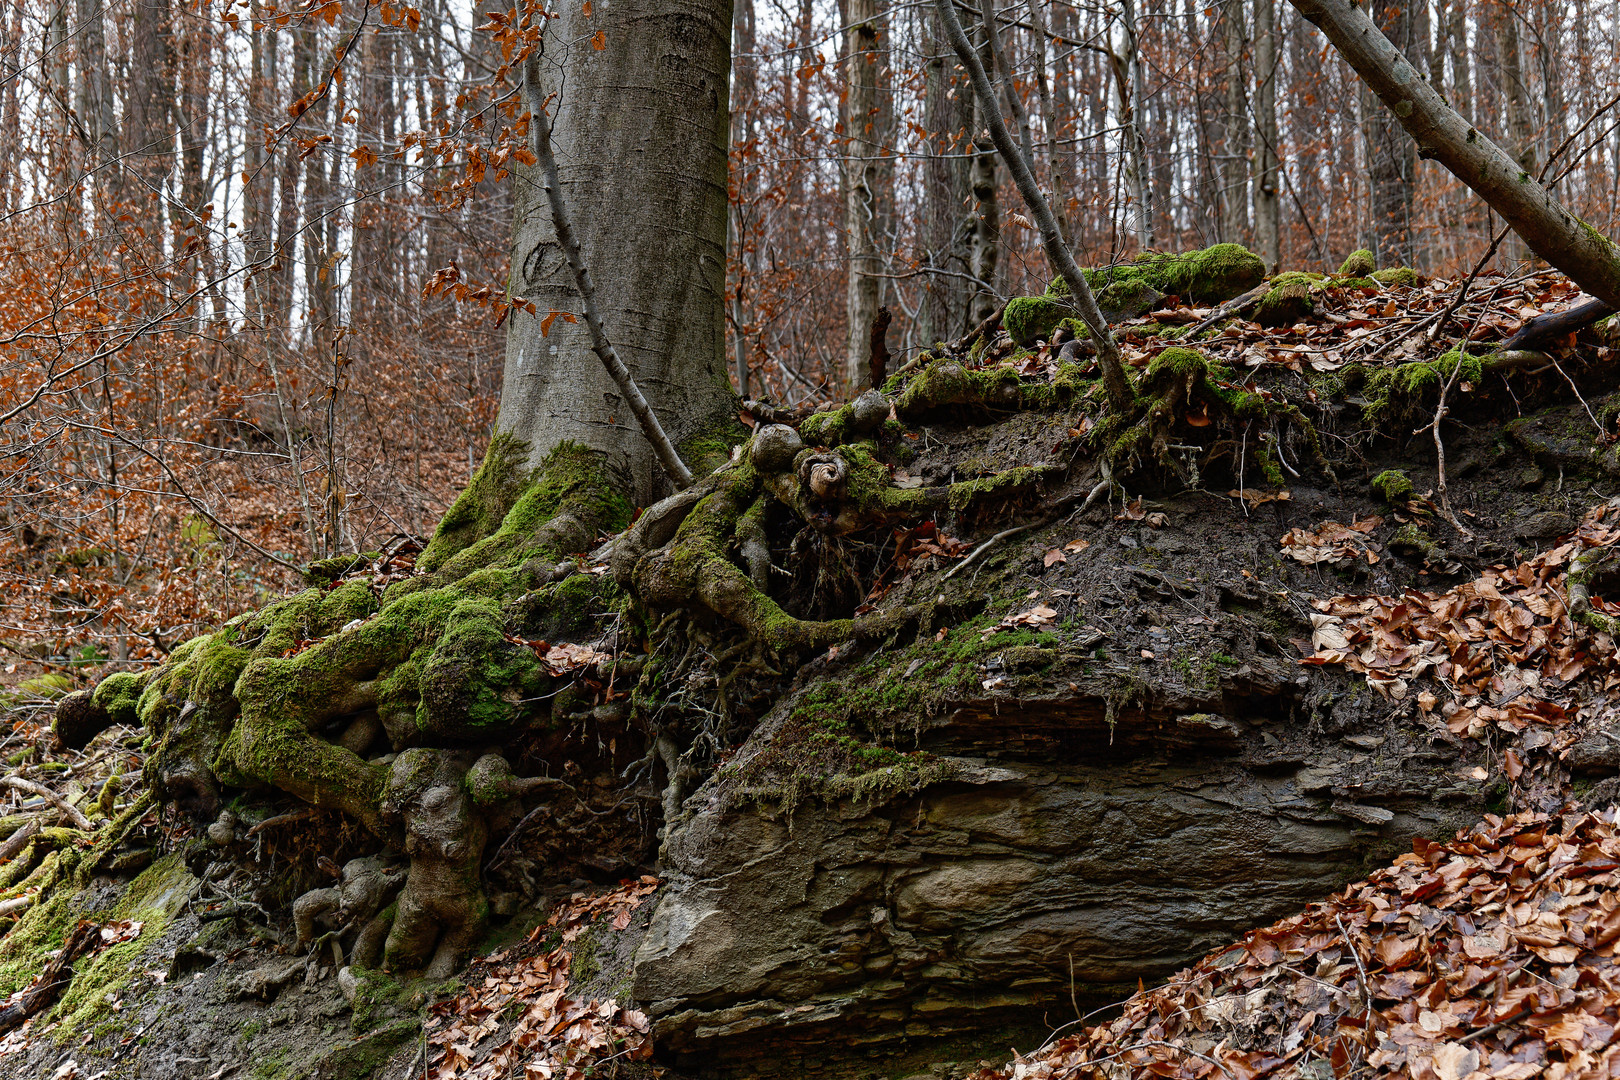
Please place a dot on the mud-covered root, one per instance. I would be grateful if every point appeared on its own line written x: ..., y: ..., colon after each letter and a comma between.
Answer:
x: 358, y: 905
x: 1192, y: 411
x: 439, y: 800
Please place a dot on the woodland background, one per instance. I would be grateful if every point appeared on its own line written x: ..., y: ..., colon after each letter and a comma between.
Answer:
x: 255, y: 257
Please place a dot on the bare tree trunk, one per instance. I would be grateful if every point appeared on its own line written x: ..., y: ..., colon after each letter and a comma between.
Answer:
x: 1131, y: 98
x: 1590, y: 259
x: 868, y: 178
x: 1054, y: 165
x: 946, y: 192
x: 653, y: 227
x: 1234, y: 161
x: 1504, y: 23
x: 1392, y: 156
x: 1058, y: 255
x: 744, y: 92
x: 95, y: 98
x: 1267, y: 206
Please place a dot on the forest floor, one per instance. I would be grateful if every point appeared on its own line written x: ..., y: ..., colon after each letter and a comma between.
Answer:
x: 1404, y: 630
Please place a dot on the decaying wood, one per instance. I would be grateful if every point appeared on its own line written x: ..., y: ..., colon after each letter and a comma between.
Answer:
x: 74, y: 815
x: 1543, y: 330
x: 18, y: 840
x: 51, y: 982
x: 879, y: 364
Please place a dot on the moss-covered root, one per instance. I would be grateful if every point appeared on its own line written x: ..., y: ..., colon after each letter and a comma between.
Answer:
x: 695, y: 566
x: 1593, y: 570
x: 1180, y: 400
x: 510, y: 512
x: 442, y: 911
x: 946, y: 386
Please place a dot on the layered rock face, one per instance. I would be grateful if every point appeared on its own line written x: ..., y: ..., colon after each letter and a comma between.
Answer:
x: 1072, y: 850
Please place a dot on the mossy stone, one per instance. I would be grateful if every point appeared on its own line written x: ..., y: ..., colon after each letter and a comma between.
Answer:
x: 1029, y: 319
x: 1393, y: 486
x: 1360, y: 264
x: 1396, y: 275
x: 1287, y: 301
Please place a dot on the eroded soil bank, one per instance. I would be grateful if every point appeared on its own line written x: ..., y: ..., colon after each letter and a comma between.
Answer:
x: 921, y: 724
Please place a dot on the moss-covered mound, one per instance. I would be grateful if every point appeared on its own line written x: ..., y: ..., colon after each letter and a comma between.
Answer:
x: 1211, y: 276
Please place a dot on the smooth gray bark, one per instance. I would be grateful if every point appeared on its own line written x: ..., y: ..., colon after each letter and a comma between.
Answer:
x: 639, y: 130
x: 568, y: 237
x: 1234, y: 160
x: 1590, y: 259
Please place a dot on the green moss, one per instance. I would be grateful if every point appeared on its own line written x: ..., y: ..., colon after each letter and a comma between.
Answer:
x: 47, y: 687
x: 481, y: 507
x: 1127, y: 299
x: 829, y: 427
x: 120, y: 694
x: 1357, y: 283
x: 1410, y: 540
x: 364, y: 1058
x: 1287, y: 301
x: 326, y: 571
x: 1360, y: 264
x: 572, y: 483
x: 1029, y: 319
x: 1211, y: 276
x: 708, y: 448
x: 1397, y: 393
x: 1396, y: 275
x: 1393, y: 486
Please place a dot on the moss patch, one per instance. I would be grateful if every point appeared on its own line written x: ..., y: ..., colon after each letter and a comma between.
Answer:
x: 1287, y: 301
x: 1360, y: 264
x: 1211, y: 276
x: 1393, y: 486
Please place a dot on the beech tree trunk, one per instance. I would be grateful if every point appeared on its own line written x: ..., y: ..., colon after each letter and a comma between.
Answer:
x: 1590, y: 259
x: 639, y: 132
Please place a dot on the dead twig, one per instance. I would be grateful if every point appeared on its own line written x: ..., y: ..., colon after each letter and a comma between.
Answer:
x: 69, y: 811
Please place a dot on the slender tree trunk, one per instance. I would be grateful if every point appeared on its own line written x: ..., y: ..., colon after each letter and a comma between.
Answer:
x: 868, y: 177
x: 94, y: 100
x: 1267, y: 206
x: 1392, y: 156
x: 652, y: 103
x: 1505, y: 28
x: 946, y: 191
x: 1054, y: 164
x: 1059, y: 256
x: 984, y: 236
x: 1590, y: 259
x: 1128, y: 80
x: 744, y: 93
x: 1234, y: 161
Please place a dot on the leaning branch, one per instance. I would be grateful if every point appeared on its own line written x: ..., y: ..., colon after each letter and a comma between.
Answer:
x: 1590, y: 259
x: 1115, y: 381
x: 540, y: 127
